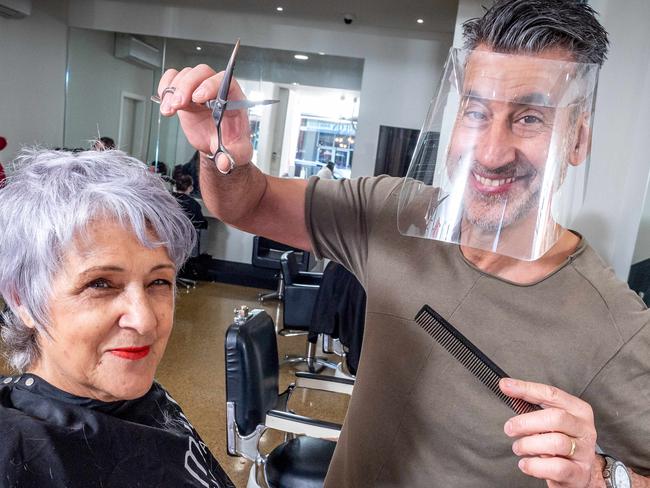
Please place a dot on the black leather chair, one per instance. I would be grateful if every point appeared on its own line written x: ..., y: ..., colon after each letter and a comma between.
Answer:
x: 339, y: 313
x: 300, y: 294
x: 254, y: 404
x: 267, y: 254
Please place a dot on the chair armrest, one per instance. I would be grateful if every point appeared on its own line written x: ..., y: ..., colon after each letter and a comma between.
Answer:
x: 301, y: 425
x: 311, y: 274
x: 326, y: 383
x: 309, y: 278
x: 304, y: 286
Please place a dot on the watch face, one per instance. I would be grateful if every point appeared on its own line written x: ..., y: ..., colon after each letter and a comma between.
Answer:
x: 621, y: 477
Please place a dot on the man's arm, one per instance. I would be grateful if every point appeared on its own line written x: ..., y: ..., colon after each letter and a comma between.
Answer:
x: 257, y: 203
x: 245, y: 198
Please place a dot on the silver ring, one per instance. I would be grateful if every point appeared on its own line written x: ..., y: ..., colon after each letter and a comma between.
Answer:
x: 169, y: 89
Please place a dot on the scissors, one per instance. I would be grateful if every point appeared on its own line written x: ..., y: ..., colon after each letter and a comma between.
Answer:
x: 220, y: 105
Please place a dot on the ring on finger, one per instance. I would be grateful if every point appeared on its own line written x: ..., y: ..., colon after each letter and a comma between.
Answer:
x: 573, y: 448
x: 169, y: 89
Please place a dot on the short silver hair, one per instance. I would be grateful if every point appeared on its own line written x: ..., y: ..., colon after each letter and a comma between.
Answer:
x: 531, y: 26
x: 47, y: 201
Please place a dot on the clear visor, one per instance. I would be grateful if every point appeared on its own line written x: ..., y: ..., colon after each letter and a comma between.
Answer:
x: 501, y: 161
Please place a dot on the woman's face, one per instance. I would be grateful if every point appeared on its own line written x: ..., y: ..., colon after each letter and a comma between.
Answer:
x: 111, y: 311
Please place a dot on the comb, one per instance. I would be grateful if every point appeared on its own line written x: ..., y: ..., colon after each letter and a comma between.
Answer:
x: 469, y: 356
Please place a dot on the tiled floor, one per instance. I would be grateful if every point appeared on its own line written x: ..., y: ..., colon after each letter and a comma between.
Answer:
x: 193, y: 368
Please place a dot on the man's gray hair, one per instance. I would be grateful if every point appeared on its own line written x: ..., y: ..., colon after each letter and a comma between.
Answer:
x: 531, y: 26
x: 49, y: 200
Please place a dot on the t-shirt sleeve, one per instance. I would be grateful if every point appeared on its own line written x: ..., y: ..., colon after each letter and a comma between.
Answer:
x: 340, y: 214
x: 620, y: 398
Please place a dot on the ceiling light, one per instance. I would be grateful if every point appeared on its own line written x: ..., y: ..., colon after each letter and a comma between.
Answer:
x: 279, y: 9
x: 420, y: 21
x: 198, y: 48
x: 321, y: 53
x: 301, y: 57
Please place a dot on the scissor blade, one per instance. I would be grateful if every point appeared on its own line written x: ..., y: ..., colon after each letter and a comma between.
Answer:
x: 231, y: 104
x: 240, y: 104
x: 227, y: 76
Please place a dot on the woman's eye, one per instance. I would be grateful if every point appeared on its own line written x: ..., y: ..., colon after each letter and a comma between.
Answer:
x: 161, y: 282
x: 98, y: 284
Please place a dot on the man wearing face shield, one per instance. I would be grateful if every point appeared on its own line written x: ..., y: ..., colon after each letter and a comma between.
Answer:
x: 479, y: 232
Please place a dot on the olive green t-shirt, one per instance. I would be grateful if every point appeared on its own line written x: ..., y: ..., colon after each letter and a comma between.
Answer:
x: 418, y: 418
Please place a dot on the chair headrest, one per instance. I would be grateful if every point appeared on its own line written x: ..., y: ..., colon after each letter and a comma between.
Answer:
x: 252, y: 370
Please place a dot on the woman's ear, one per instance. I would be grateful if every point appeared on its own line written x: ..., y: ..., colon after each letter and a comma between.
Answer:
x: 26, y: 317
x: 582, y: 143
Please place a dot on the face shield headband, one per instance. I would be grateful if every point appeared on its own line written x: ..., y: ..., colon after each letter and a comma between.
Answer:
x: 501, y: 161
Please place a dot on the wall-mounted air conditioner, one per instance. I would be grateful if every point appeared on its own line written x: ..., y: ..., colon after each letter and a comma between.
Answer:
x: 15, y: 9
x: 135, y: 51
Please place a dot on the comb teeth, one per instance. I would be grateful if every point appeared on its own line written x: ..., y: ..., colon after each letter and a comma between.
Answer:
x: 469, y: 356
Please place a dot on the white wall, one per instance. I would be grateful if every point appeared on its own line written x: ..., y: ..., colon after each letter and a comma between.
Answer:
x: 96, y: 80
x: 620, y: 163
x: 32, y: 78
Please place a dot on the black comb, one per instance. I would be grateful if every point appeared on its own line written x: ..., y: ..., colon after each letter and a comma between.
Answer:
x: 469, y: 356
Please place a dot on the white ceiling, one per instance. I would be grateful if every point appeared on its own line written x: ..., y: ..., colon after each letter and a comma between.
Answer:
x: 439, y: 15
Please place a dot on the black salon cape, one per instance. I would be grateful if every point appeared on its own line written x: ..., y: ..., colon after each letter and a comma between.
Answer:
x: 49, y: 438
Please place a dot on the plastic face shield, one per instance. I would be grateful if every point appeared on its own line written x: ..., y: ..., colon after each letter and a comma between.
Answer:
x: 501, y: 161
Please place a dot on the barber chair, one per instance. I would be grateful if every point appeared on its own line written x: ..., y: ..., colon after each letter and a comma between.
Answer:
x: 339, y: 315
x: 267, y: 254
x: 254, y: 404
x: 300, y: 293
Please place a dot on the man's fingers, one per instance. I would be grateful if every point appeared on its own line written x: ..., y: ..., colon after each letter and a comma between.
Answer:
x: 188, y: 83
x: 545, y: 395
x: 551, y: 469
x: 551, y: 444
x: 541, y: 421
x: 168, y: 100
x: 166, y: 80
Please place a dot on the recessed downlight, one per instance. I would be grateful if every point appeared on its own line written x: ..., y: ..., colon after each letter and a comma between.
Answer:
x: 420, y: 21
x: 279, y: 9
x: 198, y: 48
x: 301, y: 57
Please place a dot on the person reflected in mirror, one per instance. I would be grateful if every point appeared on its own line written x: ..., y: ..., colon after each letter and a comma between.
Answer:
x: 327, y: 171
x: 183, y: 191
x: 90, y: 249
x: 102, y: 144
x: 193, y: 169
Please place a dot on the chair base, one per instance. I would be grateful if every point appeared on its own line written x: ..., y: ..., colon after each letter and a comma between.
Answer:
x: 315, y: 364
x: 277, y: 294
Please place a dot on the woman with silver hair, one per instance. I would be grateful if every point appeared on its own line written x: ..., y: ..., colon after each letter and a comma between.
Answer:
x: 90, y: 246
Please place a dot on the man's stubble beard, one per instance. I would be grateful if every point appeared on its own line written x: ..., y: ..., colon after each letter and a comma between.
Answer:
x: 490, y: 215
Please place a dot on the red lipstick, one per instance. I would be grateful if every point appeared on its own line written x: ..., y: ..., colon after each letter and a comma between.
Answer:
x: 131, y: 353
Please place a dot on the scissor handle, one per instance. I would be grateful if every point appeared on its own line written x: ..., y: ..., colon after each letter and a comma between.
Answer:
x: 221, y: 149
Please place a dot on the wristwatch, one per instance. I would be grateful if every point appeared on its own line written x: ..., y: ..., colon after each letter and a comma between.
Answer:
x: 615, y: 473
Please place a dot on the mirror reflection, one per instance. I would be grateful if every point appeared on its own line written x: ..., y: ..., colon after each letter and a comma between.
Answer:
x: 110, y: 77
